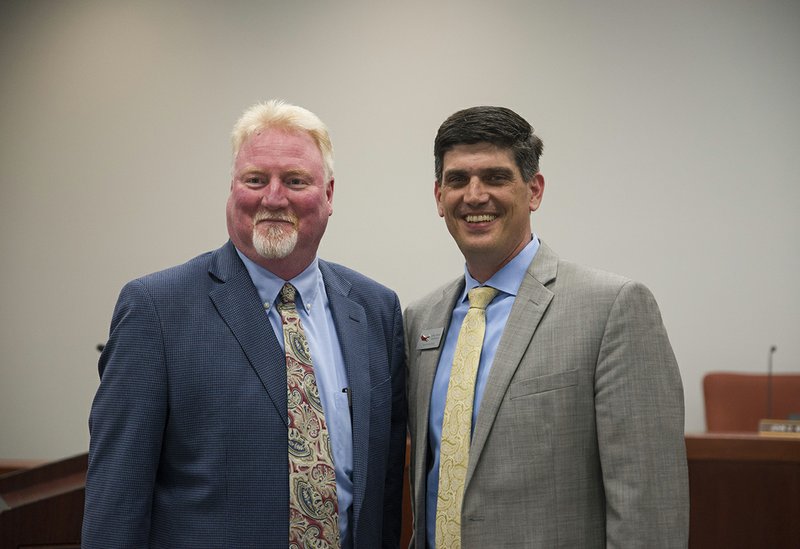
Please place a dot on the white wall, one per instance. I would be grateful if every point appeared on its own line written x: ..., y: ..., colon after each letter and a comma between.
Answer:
x: 670, y: 129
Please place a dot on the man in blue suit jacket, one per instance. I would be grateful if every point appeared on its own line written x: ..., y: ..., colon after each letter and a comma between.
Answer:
x: 189, y: 427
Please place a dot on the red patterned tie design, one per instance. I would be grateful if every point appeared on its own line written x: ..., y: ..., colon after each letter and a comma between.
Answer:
x: 313, y: 507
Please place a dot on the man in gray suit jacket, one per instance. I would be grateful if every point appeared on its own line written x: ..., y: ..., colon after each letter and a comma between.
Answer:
x: 577, y: 404
x: 212, y: 427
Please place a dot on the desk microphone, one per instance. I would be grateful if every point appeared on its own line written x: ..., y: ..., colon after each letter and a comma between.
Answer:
x: 772, y: 350
x: 776, y: 427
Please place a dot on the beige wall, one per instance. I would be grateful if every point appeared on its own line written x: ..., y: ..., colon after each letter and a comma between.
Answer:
x: 670, y: 129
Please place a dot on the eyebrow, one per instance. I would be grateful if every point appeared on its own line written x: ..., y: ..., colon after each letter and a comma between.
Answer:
x: 298, y: 171
x: 250, y: 169
x: 482, y: 173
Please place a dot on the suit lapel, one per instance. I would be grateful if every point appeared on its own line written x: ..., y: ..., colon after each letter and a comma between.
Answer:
x: 529, y: 306
x: 238, y: 303
x: 438, y: 316
x: 350, y: 320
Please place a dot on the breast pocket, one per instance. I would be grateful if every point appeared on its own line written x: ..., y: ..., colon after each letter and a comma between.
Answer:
x: 542, y: 384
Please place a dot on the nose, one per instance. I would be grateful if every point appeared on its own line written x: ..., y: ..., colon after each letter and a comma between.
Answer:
x: 475, y: 192
x: 273, y: 195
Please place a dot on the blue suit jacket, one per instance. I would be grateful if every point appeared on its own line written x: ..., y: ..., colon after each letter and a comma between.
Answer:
x: 188, y: 427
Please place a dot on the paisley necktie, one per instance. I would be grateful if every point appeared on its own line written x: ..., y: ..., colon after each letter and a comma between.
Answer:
x: 313, y: 507
x: 457, y: 423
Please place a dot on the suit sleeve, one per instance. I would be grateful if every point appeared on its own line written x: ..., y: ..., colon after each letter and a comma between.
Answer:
x: 393, y: 492
x: 640, y: 421
x: 126, y: 425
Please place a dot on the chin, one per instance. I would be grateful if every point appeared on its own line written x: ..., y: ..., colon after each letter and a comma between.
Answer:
x: 480, y: 244
x: 470, y: 250
x: 274, y: 246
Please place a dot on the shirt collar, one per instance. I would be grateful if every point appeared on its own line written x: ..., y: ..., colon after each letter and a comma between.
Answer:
x: 509, y: 278
x: 307, y: 283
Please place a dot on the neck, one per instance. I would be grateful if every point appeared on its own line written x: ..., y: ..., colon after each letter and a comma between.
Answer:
x: 481, y: 275
x: 285, y: 268
x: 484, y: 267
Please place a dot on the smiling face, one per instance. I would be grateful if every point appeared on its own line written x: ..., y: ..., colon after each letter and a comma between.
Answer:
x: 280, y: 201
x: 486, y: 205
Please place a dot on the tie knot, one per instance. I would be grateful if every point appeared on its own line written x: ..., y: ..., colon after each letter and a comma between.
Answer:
x: 288, y: 293
x: 481, y: 296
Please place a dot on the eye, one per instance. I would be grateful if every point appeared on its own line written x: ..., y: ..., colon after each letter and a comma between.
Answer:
x: 253, y: 181
x: 456, y: 180
x: 296, y: 181
x: 500, y: 177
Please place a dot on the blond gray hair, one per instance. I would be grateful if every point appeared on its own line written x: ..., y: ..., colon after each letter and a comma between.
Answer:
x: 277, y: 113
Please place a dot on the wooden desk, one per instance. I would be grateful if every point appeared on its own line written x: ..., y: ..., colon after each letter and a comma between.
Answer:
x: 43, y: 506
x: 745, y: 491
x: 11, y: 465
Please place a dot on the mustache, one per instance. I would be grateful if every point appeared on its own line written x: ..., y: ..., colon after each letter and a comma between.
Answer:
x: 274, y: 216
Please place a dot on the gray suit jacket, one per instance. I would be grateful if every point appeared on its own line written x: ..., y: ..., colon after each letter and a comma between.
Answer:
x: 579, y: 438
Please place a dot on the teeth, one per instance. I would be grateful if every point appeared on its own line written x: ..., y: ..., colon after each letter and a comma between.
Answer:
x: 479, y: 218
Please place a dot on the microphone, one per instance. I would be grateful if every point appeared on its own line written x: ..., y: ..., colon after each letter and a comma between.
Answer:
x: 776, y: 427
x: 772, y: 350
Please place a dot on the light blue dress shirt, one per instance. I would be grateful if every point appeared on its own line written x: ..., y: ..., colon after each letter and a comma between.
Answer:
x: 507, y: 280
x: 329, y: 369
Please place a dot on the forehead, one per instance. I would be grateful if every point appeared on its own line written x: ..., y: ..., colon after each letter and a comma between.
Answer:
x: 281, y: 148
x: 478, y: 155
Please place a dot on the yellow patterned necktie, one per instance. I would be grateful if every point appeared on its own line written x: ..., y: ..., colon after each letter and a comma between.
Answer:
x: 313, y: 507
x: 457, y: 423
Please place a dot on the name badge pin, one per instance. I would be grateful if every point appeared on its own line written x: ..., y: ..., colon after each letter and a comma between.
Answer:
x: 430, y: 338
